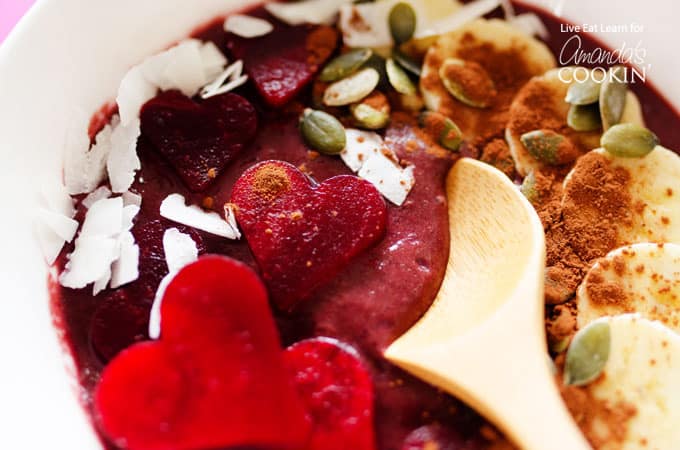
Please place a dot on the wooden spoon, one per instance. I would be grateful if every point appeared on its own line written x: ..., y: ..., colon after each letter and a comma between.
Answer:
x: 483, y: 339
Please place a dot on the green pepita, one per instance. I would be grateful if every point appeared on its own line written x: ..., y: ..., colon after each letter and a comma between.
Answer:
x: 528, y: 188
x: 322, y: 131
x: 351, y: 89
x: 584, y: 117
x: 588, y: 353
x: 468, y: 82
x: 629, y: 140
x: 373, y: 112
x: 549, y: 147
x: 443, y: 129
x: 345, y: 65
x: 583, y: 92
x: 399, y: 79
x: 402, y: 22
x: 613, y: 93
x: 406, y: 62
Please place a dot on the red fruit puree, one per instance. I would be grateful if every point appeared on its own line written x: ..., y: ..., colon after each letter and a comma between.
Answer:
x: 317, y: 378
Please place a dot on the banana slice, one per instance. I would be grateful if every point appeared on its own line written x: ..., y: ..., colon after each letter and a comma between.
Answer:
x: 640, y: 196
x: 510, y: 58
x: 642, y: 375
x: 642, y: 278
x: 548, y: 91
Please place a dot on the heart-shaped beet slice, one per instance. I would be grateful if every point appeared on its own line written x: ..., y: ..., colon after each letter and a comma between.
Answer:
x: 337, y: 392
x: 199, y: 139
x: 302, y: 233
x: 282, y: 62
x: 215, y: 379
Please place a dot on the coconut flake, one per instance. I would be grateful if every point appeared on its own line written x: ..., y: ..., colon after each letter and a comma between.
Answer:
x: 306, y: 11
x: 184, y: 69
x: 84, y: 167
x: 135, y: 89
x: 230, y: 79
x: 104, y: 218
x: 49, y: 242
x: 247, y: 26
x: 530, y: 24
x: 123, y: 162
x: 174, y: 208
x: 100, y: 193
x: 125, y: 269
x: 391, y: 180
x: 131, y: 198
x: 56, y: 199
x: 213, y: 60
x: 230, y: 217
x: 367, y: 154
x: 89, y: 262
x: 180, y: 250
x: 61, y: 225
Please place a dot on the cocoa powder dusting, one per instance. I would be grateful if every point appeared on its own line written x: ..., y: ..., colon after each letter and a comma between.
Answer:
x: 320, y: 44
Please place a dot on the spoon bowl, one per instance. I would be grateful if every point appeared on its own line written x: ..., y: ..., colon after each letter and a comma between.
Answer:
x: 483, y: 339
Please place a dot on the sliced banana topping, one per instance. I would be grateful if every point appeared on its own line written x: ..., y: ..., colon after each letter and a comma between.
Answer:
x: 542, y: 103
x: 642, y: 195
x: 506, y: 54
x: 642, y: 378
x: 642, y: 278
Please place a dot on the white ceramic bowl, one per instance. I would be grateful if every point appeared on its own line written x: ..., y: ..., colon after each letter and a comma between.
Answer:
x: 68, y: 53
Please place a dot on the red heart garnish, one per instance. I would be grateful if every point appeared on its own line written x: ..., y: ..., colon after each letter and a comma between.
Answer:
x: 302, y: 234
x: 215, y: 379
x: 282, y: 62
x: 198, y: 139
x: 337, y: 392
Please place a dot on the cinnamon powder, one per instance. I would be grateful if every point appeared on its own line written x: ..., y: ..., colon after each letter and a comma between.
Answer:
x: 270, y: 181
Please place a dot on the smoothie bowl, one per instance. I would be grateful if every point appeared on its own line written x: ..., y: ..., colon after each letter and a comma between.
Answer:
x: 241, y: 212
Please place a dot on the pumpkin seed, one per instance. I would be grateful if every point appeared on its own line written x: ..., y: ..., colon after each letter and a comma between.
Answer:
x: 402, y: 22
x: 584, y: 92
x: 559, y: 346
x: 322, y: 131
x: 584, y: 117
x: 528, y: 188
x: 443, y: 129
x: 613, y: 93
x: 468, y: 82
x: 351, y: 89
x: 345, y: 65
x: 587, y: 354
x: 406, y: 62
x: 548, y: 147
x: 399, y: 79
x: 629, y: 140
x: 373, y: 112
x: 556, y: 290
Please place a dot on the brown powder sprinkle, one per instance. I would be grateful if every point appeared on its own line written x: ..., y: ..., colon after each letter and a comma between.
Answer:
x: 497, y: 153
x: 473, y: 80
x: 212, y: 173
x: 320, y: 44
x: 270, y: 181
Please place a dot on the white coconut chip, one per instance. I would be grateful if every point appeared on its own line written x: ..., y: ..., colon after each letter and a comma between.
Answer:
x: 134, y: 90
x: 125, y: 269
x: 392, y: 181
x: 367, y: 154
x: 98, y: 194
x: 174, y: 208
x: 105, y: 249
x: 184, y: 69
x: 131, y: 198
x: 84, y: 167
x: 530, y: 24
x: 90, y: 261
x: 123, y: 162
x: 180, y: 250
x: 231, y: 78
x: 247, y: 26
x: 230, y: 218
x: 306, y: 11
x: 53, y: 223
x: 213, y: 60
